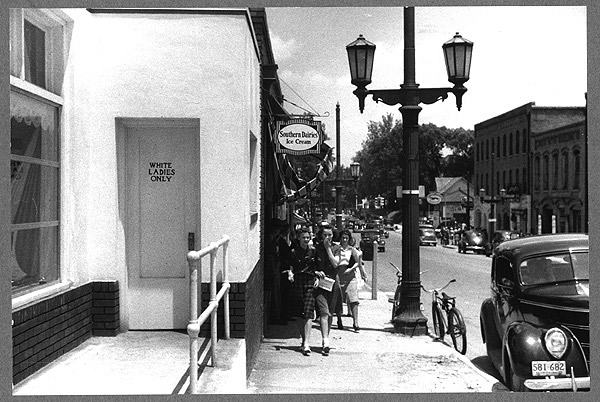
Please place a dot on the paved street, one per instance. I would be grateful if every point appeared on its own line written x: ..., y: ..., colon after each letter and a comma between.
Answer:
x: 439, y: 265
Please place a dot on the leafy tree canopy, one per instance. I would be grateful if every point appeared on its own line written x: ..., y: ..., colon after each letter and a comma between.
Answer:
x: 443, y: 152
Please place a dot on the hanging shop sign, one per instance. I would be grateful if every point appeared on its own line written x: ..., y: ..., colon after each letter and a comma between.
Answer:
x: 298, y: 137
x: 434, y: 198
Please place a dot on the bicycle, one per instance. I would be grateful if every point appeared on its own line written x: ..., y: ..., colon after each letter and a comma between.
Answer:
x: 396, y: 300
x: 453, y: 321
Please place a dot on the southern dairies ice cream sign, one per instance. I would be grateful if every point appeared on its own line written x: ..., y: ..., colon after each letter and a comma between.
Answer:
x: 298, y: 137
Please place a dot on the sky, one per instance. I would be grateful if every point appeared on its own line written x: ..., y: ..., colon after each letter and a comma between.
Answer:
x: 520, y: 54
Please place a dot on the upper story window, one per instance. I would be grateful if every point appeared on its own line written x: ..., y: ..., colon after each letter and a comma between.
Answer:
x: 517, y: 150
x: 577, y: 172
x: 565, y: 159
x: 536, y: 173
x: 546, y: 173
x: 498, y: 154
x: 555, y: 171
x: 524, y: 143
x: 510, y: 144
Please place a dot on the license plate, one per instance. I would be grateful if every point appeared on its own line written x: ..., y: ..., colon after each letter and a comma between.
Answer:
x: 546, y: 368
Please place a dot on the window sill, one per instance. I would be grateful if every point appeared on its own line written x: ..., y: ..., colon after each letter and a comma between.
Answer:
x: 39, y: 294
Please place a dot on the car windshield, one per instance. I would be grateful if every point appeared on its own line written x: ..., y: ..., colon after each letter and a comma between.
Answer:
x: 555, y: 268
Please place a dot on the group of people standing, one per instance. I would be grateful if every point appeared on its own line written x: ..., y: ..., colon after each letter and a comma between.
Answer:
x: 309, y: 266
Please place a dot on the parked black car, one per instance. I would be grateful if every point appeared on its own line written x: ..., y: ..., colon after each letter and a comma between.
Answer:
x: 476, y: 241
x: 367, y: 237
x: 500, y: 236
x: 536, y: 323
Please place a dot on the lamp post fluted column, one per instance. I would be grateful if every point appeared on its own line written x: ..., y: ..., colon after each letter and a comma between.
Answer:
x: 410, y: 319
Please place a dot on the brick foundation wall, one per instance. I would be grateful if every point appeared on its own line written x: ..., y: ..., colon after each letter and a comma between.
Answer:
x: 45, y: 330
x: 105, y: 308
x: 245, y: 315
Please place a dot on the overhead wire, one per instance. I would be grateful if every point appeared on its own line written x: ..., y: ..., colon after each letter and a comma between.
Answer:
x: 296, y: 93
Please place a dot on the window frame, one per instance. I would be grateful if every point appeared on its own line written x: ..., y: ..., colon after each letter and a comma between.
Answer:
x: 55, y: 24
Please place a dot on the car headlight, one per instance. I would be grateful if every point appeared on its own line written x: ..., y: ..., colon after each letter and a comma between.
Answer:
x: 556, y: 342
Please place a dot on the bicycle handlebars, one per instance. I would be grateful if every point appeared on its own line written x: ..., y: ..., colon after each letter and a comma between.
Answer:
x: 440, y: 289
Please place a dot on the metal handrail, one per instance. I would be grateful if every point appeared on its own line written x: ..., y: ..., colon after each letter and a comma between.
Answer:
x: 196, y: 321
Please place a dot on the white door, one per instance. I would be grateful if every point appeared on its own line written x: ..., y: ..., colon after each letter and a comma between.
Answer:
x: 162, y: 209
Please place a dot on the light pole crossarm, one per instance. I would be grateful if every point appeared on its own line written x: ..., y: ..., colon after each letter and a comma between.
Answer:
x: 411, y: 96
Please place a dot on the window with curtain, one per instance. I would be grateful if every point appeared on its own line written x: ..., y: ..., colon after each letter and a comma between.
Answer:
x: 34, y: 178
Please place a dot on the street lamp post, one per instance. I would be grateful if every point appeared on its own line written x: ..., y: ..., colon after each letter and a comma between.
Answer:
x: 457, y: 54
x: 354, y: 171
x: 492, y: 200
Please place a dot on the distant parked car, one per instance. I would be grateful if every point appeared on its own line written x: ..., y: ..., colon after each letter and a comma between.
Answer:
x: 367, y: 237
x: 536, y: 323
x: 475, y: 241
x: 500, y: 236
x: 427, y: 236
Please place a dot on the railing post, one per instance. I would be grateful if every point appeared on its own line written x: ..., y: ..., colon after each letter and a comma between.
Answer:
x: 226, y: 280
x: 193, y: 328
x: 213, y: 296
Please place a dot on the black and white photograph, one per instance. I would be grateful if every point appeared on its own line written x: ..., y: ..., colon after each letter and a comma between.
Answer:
x: 233, y: 199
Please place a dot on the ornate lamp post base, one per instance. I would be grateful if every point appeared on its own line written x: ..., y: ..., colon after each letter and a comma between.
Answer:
x: 409, y: 320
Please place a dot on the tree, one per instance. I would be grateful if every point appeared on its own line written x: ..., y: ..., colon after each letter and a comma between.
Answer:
x: 382, y: 155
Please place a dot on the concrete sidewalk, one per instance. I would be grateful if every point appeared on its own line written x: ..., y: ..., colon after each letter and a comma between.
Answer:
x: 374, y: 360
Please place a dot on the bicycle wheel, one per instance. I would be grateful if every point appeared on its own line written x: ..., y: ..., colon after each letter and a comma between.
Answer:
x: 457, y: 330
x: 438, y: 320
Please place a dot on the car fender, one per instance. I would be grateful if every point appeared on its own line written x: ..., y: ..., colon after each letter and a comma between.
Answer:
x: 489, y: 333
x: 523, y: 342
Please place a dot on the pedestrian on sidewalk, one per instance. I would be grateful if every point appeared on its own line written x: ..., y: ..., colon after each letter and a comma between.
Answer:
x: 328, y: 301
x: 284, y: 251
x: 302, y: 278
x: 348, y: 261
